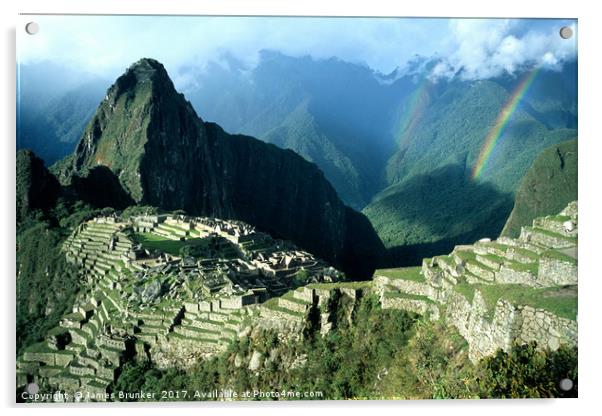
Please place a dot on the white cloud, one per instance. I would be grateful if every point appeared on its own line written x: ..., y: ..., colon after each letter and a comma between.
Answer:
x: 489, y: 48
x: 472, y: 48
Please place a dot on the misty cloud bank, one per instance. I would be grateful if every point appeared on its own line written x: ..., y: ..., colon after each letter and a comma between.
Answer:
x: 465, y: 48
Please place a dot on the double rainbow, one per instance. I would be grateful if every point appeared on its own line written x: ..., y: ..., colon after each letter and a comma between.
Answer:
x: 501, y: 122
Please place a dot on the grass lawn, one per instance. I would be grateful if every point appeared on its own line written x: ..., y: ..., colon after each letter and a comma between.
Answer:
x: 152, y: 241
x: 561, y: 301
x: 405, y: 273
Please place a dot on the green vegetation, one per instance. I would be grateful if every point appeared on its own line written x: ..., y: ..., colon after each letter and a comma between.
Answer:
x: 557, y: 255
x: 36, y: 188
x: 136, y: 210
x: 434, y: 365
x: 547, y: 187
x: 466, y: 290
x: 339, y: 285
x: 528, y: 372
x: 524, y: 267
x: 404, y: 273
x: 153, y: 242
x: 568, y: 239
x: 428, y: 214
x: 46, y: 284
x: 41, y: 266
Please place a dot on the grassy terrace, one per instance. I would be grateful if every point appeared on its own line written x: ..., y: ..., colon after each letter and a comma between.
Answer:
x: 572, y: 240
x: 152, y: 241
x: 558, y: 218
x: 365, y: 284
x: 493, y: 244
x: 557, y: 255
x: 40, y: 347
x: 171, y: 227
x: 405, y: 273
x: 526, y: 253
x: 291, y: 297
x: 494, y: 258
x: 466, y: 256
x: 532, y: 268
x: 561, y: 301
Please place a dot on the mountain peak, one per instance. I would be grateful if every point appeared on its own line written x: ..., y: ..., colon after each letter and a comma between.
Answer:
x: 141, y: 106
x: 145, y: 70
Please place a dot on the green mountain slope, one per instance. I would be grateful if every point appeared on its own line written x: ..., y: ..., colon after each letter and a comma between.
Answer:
x: 300, y: 132
x: 432, y: 212
x: 433, y: 197
x: 454, y: 126
x: 550, y: 183
x: 36, y: 188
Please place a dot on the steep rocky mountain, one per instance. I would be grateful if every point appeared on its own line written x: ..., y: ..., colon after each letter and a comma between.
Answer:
x: 549, y: 184
x: 150, y: 139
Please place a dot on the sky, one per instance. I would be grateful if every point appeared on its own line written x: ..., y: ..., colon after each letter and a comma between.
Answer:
x: 466, y: 48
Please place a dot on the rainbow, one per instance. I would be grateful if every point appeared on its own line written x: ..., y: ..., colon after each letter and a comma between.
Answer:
x: 413, y: 112
x: 501, y: 122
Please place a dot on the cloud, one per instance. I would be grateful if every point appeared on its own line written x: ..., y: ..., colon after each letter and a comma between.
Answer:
x: 470, y: 48
x: 485, y: 48
x: 108, y: 43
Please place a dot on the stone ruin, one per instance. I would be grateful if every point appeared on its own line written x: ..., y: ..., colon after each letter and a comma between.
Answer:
x: 137, y: 303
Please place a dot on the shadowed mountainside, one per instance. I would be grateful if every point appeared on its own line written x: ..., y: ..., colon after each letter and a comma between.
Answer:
x: 437, y: 211
x: 549, y: 185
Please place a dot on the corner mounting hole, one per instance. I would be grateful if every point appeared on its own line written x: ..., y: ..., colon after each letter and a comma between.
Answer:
x: 32, y: 28
x: 566, y: 32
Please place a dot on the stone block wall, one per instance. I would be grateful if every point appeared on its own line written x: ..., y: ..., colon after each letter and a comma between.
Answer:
x: 547, y: 329
x: 510, y: 324
x: 413, y: 305
x: 553, y: 272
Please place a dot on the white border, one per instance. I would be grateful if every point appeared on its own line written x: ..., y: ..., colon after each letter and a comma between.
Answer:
x: 590, y: 153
